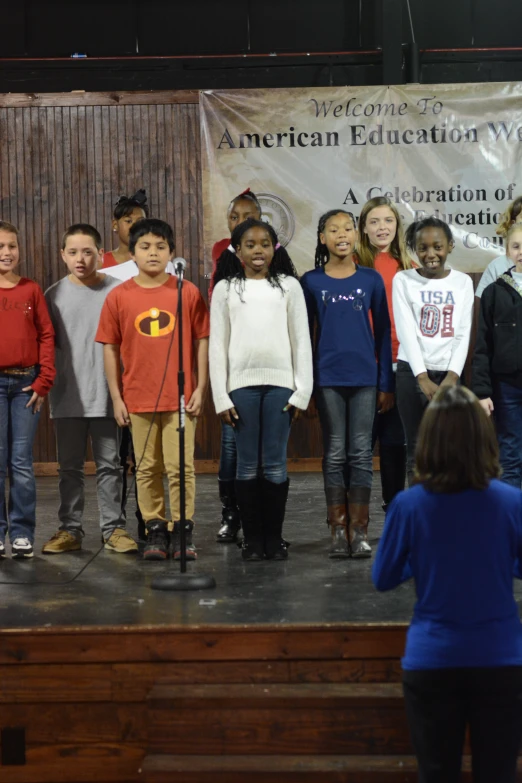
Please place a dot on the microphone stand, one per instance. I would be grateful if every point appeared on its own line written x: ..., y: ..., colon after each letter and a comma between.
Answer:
x: 182, y: 581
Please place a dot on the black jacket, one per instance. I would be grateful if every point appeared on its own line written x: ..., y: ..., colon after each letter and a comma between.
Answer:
x: 498, y: 349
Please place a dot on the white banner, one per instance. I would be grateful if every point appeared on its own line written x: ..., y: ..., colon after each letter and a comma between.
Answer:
x: 453, y: 151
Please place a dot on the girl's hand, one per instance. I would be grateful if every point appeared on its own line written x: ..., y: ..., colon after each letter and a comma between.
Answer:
x: 121, y: 414
x: 451, y: 379
x: 229, y: 417
x: 428, y: 388
x: 294, y: 412
x: 385, y: 401
x: 35, y: 402
x: 488, y: 406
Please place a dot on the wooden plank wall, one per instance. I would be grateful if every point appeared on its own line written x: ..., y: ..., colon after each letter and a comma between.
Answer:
x: 65, y: 158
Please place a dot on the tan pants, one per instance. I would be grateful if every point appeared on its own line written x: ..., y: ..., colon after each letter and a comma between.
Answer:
x: 161, y: 454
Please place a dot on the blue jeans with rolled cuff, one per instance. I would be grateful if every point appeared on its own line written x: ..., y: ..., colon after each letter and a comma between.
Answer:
x: 17, y: 430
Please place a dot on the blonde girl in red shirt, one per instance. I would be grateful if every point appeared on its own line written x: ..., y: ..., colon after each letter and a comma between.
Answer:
x: 381, y: 246
x: 26, y: 375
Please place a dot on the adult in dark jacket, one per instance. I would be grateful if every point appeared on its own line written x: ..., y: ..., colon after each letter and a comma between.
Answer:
x: 497, y: 361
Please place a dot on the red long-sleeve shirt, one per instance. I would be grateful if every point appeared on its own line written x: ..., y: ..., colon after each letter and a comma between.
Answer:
x: 27, y: 334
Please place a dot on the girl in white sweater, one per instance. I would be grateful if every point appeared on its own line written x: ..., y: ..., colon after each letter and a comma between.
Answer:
x: 433, y: 307
x: 261, y: 374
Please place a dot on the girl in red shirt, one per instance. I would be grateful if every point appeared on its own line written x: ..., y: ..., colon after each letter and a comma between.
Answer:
x: 127, y: 211
x: 381, y: 246
x: 26, y: 375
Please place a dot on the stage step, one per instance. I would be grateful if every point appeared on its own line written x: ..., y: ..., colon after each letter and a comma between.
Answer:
x: 287, y: 769
x: 278, y: 718
x: 279, y: 769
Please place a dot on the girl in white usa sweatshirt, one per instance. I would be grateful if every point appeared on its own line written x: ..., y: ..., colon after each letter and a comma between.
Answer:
x: 261, y: 374
x: 433, y: 312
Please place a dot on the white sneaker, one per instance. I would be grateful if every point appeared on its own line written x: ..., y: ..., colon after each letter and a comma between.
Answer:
x: 21, y: 548
x: 2, y: 549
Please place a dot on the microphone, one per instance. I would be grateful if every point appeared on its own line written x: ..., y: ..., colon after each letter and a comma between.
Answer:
x: 179, y: 266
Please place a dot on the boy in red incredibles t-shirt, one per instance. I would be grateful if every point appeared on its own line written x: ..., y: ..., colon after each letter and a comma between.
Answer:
x: 136, y: 326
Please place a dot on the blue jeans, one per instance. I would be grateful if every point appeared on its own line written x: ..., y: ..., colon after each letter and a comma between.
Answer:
x: 17, y: 430
x: 262, y: 432
x: 346, y: 414
x: 228, y: 456
x: 508, y: 417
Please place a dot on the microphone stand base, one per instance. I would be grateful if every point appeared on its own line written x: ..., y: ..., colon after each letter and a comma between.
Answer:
x: 183, y: 582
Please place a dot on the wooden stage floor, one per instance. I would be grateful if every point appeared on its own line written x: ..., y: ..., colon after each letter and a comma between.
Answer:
x: 115, y: 589
x: 285, y: 672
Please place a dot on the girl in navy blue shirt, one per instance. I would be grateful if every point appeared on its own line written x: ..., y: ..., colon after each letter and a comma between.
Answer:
x: 458, y: 533
x: 347, y: 310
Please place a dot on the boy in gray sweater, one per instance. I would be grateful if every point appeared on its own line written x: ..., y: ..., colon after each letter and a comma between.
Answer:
x: 80, y: 403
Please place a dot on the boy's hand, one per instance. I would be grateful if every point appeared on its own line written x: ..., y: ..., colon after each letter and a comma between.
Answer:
x: 121, y: 414
x: 195, y: 405
x: 35, y: 402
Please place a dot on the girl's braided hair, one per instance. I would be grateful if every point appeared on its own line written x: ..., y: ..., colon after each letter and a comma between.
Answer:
x: 321, y: 251
x: 230, y: 268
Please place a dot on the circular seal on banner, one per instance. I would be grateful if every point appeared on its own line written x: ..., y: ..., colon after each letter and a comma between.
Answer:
x: 279, y: 215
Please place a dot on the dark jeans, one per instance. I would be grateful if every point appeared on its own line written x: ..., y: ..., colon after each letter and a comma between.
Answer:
x: 262, y: 432
x: 388, y: 430
x: 508, y: 418
x: 17, y: 430
x: 346, y: 414
x: 228, y: 456
x: 126, y: 448
x: 412, y: 403
x: 440, y: 703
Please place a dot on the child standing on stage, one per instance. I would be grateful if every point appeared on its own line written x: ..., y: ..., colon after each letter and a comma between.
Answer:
x: 261, y: 373
x: 26, y: 375
x: 381, y: 246
x: 128, y: 210
x: 80, y: 402
x: 353, y: 370
x: 433, y: 312
x: 501, y: 264
x: 240, y: 209
x: 497, y: 362
x: 137, y: 327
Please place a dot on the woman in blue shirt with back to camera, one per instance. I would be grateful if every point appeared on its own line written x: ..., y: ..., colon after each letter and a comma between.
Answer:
x: 458, y: 533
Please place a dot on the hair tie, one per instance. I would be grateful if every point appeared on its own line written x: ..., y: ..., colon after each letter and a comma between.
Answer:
x: 277, y: 246
x: 244, y: 193
x: 231, y: 249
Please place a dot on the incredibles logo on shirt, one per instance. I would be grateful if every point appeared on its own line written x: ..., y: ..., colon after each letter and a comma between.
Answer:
x: 154, y: 323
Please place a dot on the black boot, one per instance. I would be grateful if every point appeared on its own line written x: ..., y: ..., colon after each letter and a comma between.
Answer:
x: 230, y: 519
x: 393, y: 472
x: 274, y: 505
x: 249, y: 501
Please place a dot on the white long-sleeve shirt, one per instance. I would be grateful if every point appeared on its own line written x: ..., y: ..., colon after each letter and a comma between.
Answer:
x: 433, y: 320
x: 259, y: 337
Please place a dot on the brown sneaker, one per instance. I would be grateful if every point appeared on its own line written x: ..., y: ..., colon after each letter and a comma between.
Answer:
x: 120, y: 541
x: 62, y: 541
